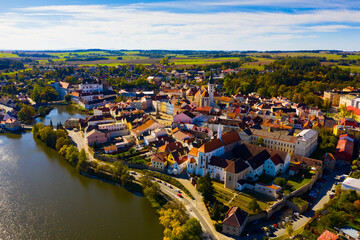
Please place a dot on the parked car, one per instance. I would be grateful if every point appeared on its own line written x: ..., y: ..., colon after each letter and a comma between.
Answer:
x: 178, y: 190
x: 179, y: 195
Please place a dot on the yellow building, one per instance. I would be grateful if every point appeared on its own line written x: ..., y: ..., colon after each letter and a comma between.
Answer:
x: 332, y: 97
x: 339, y: 130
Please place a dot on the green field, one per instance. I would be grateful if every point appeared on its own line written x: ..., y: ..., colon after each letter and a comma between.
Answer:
x: 8, y: 55
x: 308, y: 54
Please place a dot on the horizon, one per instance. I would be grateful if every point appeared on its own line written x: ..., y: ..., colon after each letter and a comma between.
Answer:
x: 232, y: 25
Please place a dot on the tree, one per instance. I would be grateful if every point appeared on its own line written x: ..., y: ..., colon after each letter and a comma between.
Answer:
x: 260, y: 141
x: 191, y: 230
x: 48, y: 135
x: 289, y: 229
x: 357, y: 205
x: 27, y: 113
x: 121, y: 172
x: 216, y: 212
x: 254, y: 206
x: 82, y: 159
x: 205, y: 187
x: 67, y: 98
x: 72, y: 154
x: 280, y: 181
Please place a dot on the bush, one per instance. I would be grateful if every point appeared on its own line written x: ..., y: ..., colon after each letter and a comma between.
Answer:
x: 218, y: 227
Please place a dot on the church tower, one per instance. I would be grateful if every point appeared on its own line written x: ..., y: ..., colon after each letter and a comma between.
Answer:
x: 211, y: 90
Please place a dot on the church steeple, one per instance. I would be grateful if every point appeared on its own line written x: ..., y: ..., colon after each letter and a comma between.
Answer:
x: 219, y: 132
x: 211, y: 89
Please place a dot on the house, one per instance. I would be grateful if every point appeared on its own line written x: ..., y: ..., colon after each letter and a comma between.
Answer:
x: 235, y: 221
x: 95, y: 136
x: 145, y: 127
x: 12, y: 125
x: 329, y: 161
x: 110, y: 149
x: 72, y: 123
x: 345, y: 148
x: 349, y: 233
x: 158, y: 161
x: 327, y: 235
x: 351, y: 184
x: 294, y: 169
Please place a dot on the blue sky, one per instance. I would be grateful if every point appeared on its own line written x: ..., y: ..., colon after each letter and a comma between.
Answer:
x: 198, y: 25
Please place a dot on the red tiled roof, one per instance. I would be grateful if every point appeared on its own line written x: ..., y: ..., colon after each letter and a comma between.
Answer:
x: 327, y: 235
x: 230, y: 138
x: 211, y: 146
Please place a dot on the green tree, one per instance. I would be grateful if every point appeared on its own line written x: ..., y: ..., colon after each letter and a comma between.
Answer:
x: 205, y: 188
x: 27, y: 113
x: 48, y: 135
x: 289, y: 229
x: 67, y: 98
x: 260, y: 141
x: 280, y: 181
x: 254, y: 206
x: 82, y: 159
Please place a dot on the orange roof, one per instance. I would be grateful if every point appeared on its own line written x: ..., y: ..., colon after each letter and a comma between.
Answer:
x: 230, y: 138
x: 225, y: 99
x: 327, y: 235
x: 144, y: 126
x: 110, y: 148
x: 194, y: 152
x: 211, y: 146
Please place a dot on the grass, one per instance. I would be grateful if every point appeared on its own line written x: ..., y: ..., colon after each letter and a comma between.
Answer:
x: 8, y: 55
x: 242, y: 199
x: 222, y: 194
x: 352, y: 68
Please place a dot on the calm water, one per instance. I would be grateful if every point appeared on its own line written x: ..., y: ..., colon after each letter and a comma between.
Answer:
x: 42, y: 197
x: 61, y: 114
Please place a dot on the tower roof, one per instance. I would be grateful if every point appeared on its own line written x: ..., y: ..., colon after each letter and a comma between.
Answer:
x: 211, y: 78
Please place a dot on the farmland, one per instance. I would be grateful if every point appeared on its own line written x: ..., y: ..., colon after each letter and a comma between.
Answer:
x: 177, y: 59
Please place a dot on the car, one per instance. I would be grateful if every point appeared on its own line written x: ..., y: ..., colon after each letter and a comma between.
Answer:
x: 170, y: 187
x: 178, y: 190
x: 179, y: 195
x: 133, y: 173
x: 159, y: 181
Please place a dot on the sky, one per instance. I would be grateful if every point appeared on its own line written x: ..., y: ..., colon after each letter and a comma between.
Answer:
x: 261, y: 25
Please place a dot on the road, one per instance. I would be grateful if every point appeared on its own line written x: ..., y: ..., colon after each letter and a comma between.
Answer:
x: 323, y: 197
x: 79, y: 141
x: 190, y: 205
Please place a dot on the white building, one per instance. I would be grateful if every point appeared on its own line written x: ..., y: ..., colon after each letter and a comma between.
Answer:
x: 351, y: 184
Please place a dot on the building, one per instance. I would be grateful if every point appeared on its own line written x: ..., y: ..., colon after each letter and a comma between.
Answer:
x: 72, y: 123
x: 158, y: 161
x: 235, y: 221
x: 12, y: 125
x: 341, y: 129
x: 145, y: 127
x: 349, y: 233
x: 95, y: 136
x: 345, y: 148
x: 327, y: 235
x: 333, y: 97
x: 303, y: 144
x: 351, y: 184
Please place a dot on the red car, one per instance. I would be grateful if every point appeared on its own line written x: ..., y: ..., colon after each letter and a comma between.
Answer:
x: 179, y: 195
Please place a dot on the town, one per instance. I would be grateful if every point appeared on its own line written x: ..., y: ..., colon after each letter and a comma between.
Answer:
x: 256, y: 162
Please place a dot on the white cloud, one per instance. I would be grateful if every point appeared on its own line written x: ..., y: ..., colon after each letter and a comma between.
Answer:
x: 128, y: 27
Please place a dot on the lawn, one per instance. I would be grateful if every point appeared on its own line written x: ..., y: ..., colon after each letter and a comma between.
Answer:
x: 242, y: 199
x: 222, y: 194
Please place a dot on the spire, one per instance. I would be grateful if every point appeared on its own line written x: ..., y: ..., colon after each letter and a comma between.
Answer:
x: 219, y: 132
x: 211, y: 79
